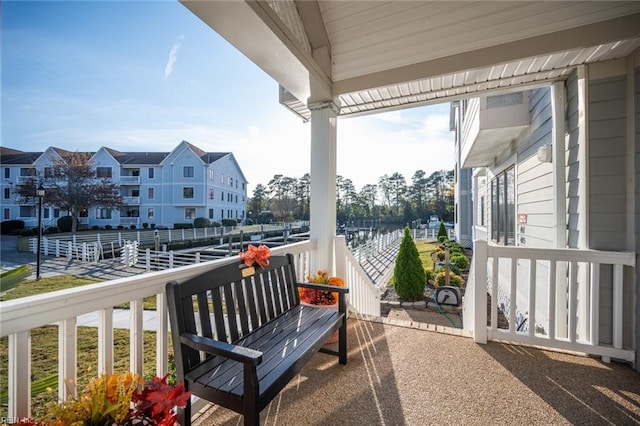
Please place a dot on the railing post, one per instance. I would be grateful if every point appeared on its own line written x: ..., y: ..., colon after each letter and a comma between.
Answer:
x: 148, y: 259
x: 19, y: 374
x: 340, y: 243
x: 480, y: 291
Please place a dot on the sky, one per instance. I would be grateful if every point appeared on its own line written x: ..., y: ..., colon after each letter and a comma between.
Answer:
x: 145, y: 75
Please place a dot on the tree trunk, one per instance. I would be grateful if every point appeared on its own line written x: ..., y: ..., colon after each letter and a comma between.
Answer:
x: 74, y: 222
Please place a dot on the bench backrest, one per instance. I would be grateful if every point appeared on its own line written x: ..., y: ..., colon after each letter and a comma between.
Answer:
x: 228, y: 302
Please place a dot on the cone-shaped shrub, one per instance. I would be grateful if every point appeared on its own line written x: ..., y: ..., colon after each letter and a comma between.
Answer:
x: 443, y: 235
x: 408, y: 274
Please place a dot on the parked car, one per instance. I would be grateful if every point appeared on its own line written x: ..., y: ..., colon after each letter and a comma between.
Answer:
x: 434, y: 222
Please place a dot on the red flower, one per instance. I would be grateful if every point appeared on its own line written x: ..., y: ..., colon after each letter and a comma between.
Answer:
x: 157, y: 400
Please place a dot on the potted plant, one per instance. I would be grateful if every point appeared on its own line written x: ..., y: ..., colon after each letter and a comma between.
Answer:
x: 322, y: 298
x: 121, y: 399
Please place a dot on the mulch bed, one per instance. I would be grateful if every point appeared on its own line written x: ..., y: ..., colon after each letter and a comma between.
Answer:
x: 429, y: 293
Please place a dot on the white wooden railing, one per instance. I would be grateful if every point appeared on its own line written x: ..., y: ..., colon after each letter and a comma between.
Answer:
x: 565, y: 297
x: 63, y: 307
x: 364, y: 297
x: 111, y: 242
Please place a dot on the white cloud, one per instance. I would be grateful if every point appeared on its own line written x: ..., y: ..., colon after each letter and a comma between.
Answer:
x: 173, y: 55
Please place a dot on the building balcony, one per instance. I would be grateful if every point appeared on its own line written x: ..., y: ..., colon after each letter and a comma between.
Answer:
x: 129, y: 180
x: 131, y: 200
x: 490, y: 125
x: 400, y: 370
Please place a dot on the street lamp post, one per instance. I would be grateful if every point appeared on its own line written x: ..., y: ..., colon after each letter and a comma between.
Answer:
x: 40, y: 195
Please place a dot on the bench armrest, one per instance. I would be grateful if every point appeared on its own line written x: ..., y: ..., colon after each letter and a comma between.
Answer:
x: 327, y: 287
x: 227, y: 350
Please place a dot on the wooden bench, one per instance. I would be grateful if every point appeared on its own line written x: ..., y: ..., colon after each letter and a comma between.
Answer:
x: 240, y: 334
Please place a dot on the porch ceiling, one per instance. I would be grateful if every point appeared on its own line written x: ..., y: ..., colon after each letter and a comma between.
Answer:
x: 376, y: 55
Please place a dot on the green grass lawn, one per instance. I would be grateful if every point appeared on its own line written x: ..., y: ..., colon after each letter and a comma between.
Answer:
x: 44, y: 345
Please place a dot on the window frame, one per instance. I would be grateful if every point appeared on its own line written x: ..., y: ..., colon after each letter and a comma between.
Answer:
x: 503, y: 216
x: 108, y: 169
x: 192, y: 170
x: 184, y: 192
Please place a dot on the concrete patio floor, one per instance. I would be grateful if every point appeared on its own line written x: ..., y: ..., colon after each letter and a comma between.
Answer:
x: 400, y: 374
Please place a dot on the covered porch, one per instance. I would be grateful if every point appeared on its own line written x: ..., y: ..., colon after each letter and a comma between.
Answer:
x: 336, y: 59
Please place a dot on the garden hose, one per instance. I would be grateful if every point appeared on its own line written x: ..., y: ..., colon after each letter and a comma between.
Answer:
x: 435, y: 299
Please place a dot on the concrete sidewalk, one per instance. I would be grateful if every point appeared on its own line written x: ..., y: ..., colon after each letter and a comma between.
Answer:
x: 121, y: 319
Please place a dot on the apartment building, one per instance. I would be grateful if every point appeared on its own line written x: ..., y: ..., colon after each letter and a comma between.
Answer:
x: 159, y: 188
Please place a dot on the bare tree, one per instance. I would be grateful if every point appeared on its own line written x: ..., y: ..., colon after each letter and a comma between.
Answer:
x: 72, y: 186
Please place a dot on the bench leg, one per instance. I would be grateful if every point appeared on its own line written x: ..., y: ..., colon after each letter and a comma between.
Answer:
x: 342, y: 343
x: 184, y: 415
x: 252, y: 419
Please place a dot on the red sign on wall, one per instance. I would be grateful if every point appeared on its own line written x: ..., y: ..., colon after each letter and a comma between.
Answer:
x: 522, y: 219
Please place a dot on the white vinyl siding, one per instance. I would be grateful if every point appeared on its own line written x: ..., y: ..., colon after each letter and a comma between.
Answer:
x: 535, y: 179
x: 607, y: 177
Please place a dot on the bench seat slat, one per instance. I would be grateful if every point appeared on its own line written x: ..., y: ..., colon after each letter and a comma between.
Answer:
x: 282, y: 343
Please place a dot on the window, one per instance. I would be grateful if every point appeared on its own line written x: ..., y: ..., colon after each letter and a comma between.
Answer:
x: 103, y: 172
x: 230, y: 181
x: 83, y: 213
x: 221, y: 196
x: 152, y: 172
x: 135, y: 192
x: 211, y: 193
x: 503, y: 209
x: 190, y: 213
x: 210, y: 213
x: 48, y: 172
x: 243, y: 186
x: 6, y: 214
x: 151, y: 193
x: 236, y: 199
x: 188, y: 171
x: 482, y: 211
x: 103, y: 213
x: 150, y: 213
x: 221, y: 178
x: 211, y: 174
x: 187, y: 192
x: 27, y: 211
x: 7, y: 193
x: 7, y: 173
x: 25, y: 172
x: 56, y: 212
x: 46, y: 213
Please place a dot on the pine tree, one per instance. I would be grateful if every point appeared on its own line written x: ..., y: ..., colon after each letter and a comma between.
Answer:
x: 443, y: 235
x: 408, y: 274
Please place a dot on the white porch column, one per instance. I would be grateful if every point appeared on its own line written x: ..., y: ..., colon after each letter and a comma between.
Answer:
x: 323, y: 183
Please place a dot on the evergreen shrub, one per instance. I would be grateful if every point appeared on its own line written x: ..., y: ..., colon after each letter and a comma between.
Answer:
x: 65, y: 223
x: 408, y: 274
x: 11, y: 226
x: 454, y: 279
x: 201, y: 222
x: 229, y: 222
x: 442, y: 233
x: 182, y: 225
x: 460, y: 260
